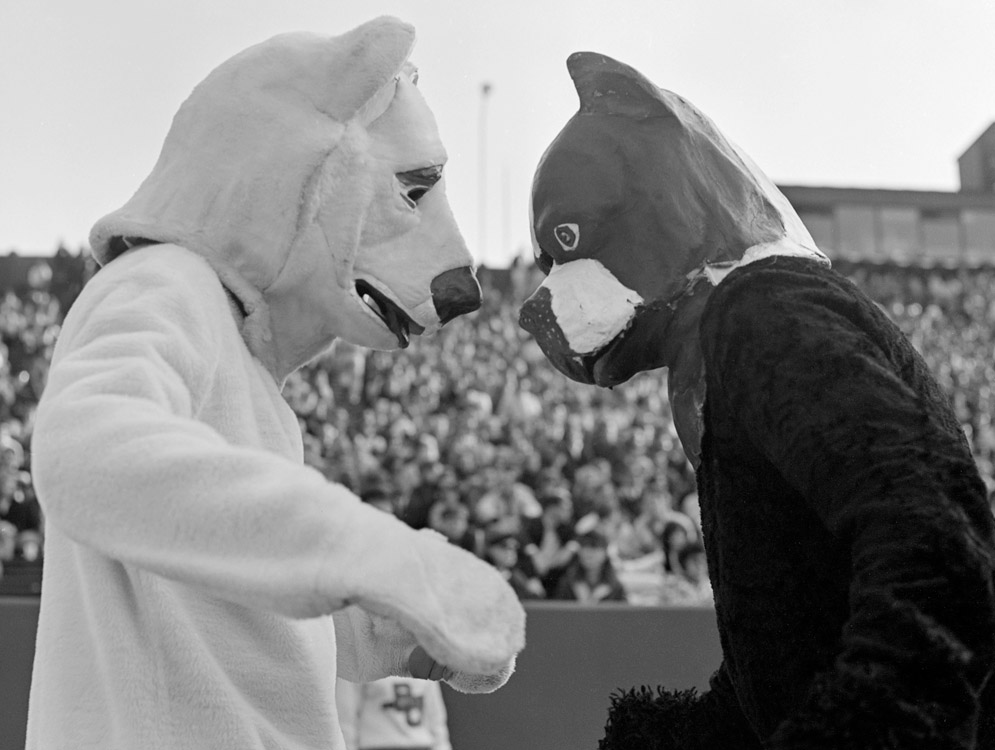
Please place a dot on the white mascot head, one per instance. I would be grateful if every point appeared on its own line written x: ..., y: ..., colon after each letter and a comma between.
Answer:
x: 308, y: 171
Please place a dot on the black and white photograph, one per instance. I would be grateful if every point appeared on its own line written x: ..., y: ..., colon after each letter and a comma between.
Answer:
x: 497, y: 376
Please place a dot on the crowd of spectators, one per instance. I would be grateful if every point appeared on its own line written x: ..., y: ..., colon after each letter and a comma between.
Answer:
x: 573, y: 492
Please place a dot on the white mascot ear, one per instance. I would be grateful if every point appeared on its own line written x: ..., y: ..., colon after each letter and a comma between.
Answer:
x: 358, y: 67
x: 267, y: 173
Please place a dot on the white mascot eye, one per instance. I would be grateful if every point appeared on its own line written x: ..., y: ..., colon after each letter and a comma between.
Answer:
x: 568, y: 235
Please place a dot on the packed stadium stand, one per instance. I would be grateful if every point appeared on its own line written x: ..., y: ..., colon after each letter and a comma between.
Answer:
x: 561, y: 485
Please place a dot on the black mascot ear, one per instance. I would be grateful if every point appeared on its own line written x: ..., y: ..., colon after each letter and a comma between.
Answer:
x: 608, y: 87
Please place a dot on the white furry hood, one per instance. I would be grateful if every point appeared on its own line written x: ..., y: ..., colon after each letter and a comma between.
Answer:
x: 269, y: 171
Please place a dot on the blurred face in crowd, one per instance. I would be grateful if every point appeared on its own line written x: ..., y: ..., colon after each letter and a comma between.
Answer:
x: 587, y: 481
x: 407, y: 477
x: 452, y: 524
x: 11, y: 460
x: 448, y: 488
x: 675, y: 537
x: 29, y: 545
x: 490, y: 508
x: 695, y: 567
x: 659, y: 502
x: 592, y: 555
x: 400, y: 446
x: 8, y: 541
x: 369, y: 422
x: 503, y: 554
x: 465, y: 459
x: 313, y: 451
x: 11, y: 454
x: 605, y: 498
x: 560, y: 511
x: 428, y: 449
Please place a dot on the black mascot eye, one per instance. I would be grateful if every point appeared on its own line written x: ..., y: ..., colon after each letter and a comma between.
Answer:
x: 416, y: 182
x: 568, y: 235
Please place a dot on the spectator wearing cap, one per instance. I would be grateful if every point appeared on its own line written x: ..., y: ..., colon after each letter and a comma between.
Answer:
x: 549, y: 538
x: 452, y: 520
x: 590, y: 578
x: 501, y: 549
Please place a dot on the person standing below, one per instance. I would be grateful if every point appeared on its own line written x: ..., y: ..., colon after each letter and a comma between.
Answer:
x: 395, y: 713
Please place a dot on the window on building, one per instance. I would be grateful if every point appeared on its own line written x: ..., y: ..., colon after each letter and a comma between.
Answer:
x: 856, y: 232
x: 979, y: 234
x: 819, y: 224
x: 941, y: 235
x: 899, y: 232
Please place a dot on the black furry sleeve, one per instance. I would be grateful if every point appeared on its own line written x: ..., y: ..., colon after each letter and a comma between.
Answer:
x: 824, y: 387
x: 644, y: 719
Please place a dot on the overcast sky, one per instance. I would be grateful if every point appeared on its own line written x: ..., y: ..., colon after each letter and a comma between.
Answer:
x: 876, y: 93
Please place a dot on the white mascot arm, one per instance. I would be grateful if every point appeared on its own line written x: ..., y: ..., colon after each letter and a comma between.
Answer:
x: 123, y: 466
x: 372, y: 646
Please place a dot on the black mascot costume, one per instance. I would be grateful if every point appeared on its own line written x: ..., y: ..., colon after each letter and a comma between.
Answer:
x: 850, y: 543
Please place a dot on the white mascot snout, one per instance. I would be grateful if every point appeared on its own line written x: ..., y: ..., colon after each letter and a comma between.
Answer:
x: 202, y: 587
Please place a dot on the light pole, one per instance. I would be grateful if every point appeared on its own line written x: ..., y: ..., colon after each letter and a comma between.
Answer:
x: 485, y: 92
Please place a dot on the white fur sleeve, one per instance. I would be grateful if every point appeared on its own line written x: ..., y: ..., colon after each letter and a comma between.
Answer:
x: 123, y: 466
x: 371, y: 647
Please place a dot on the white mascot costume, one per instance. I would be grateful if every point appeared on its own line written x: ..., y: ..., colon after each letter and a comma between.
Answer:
x: 203, y: 588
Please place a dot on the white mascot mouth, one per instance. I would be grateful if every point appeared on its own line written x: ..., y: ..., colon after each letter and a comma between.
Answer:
x: 388, y: 312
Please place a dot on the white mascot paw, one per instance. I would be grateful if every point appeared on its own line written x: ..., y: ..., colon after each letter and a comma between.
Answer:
x: 457, y: 607
x: 424, y: 667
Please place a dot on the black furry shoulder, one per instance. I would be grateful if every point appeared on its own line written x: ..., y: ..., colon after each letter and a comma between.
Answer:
x: 644, y: 719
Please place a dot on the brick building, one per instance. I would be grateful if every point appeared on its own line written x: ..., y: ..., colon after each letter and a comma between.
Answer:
x: 909, y: 227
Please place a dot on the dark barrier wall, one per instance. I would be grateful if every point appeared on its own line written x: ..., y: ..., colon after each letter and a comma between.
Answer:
x: 18, y: 622
x: 575, y: 656
x: 557, y: 699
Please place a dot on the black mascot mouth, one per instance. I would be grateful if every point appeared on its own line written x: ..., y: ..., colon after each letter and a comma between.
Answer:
x: 606, y: 367
x: 640, y: 346
x: 397, y: 320
x: 644, y: 345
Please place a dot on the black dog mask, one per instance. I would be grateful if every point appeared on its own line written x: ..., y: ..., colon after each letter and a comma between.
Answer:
x: 637, y: 200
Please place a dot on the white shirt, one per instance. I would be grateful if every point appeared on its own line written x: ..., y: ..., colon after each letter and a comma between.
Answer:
x: 395, y: 712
